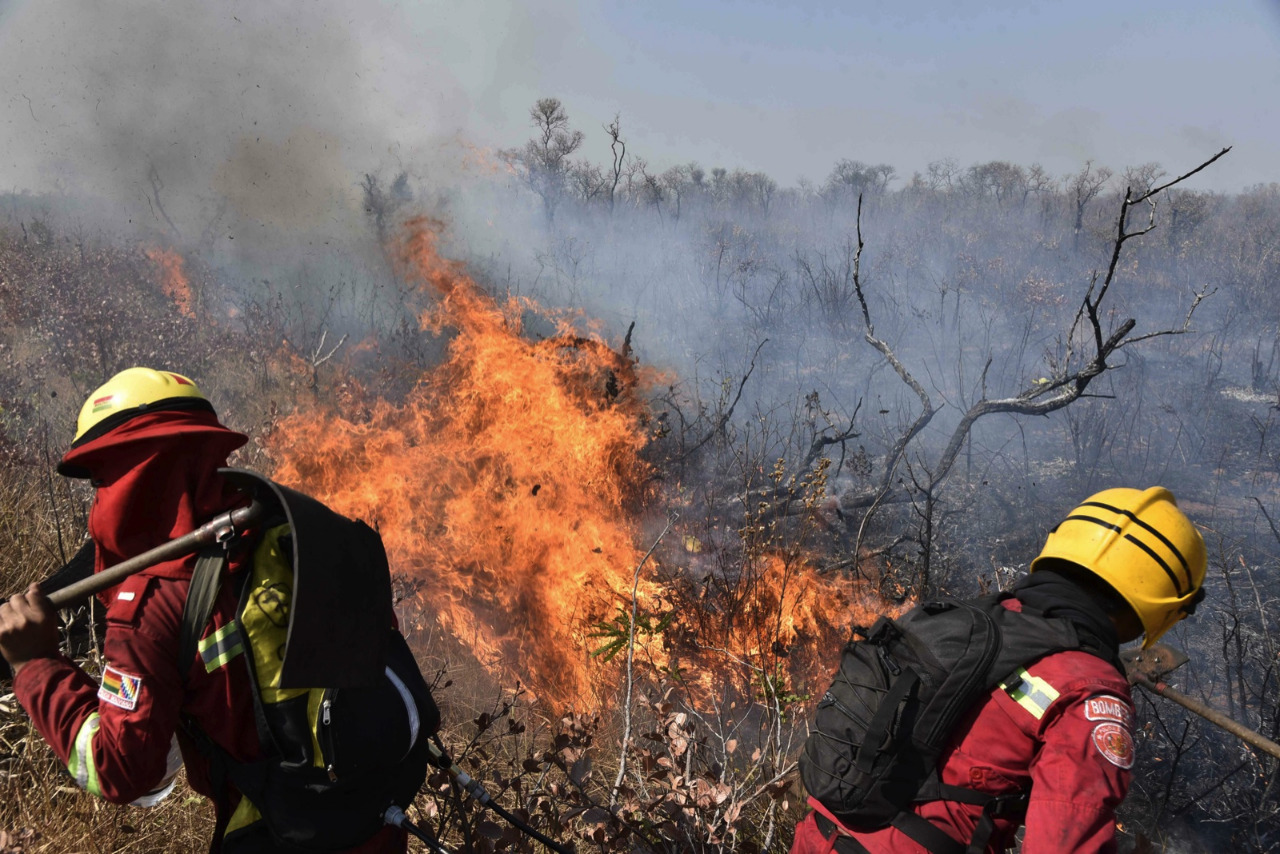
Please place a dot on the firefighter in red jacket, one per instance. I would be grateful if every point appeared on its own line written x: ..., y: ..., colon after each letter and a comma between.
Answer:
x: 1125, y: 561
x: 151, y: 445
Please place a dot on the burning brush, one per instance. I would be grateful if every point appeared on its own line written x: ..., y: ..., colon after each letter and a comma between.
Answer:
x: 508, y: 479
x: 510, y: 482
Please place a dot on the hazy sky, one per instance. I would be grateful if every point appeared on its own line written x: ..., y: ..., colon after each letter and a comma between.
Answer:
x: 280, y: 106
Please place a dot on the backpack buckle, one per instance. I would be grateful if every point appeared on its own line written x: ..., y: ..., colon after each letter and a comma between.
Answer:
x: 1014, y: 682
x: 1008, y: 806
x: 882, y: 631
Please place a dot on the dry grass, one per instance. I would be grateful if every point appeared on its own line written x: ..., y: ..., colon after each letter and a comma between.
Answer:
x: 46, y: 812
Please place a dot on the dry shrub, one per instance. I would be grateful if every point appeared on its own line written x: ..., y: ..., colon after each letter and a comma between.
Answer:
x: 689, y: 785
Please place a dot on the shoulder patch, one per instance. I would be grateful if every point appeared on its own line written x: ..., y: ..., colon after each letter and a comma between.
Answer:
x: 119, y: 688
x: 1115, y: 743
x: 1108, y: 707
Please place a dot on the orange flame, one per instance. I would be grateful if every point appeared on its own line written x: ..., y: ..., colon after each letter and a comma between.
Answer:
x: 173, y: 279
x: 507, y: 479
x: 787, y: 621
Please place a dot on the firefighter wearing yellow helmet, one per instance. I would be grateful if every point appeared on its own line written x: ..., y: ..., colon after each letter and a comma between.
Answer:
x: 1051, y: 746
x: 132, y: 392
x: 153, y: 448
x: 1140, y: 544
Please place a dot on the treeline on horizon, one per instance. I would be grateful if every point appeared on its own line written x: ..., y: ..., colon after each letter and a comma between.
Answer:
x: 765, y: 257
x: 548, y: 164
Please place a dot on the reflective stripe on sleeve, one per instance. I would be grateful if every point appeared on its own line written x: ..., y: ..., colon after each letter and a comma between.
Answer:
x: 220, y: 647
x: 80, y: 764
x: 1031, y: 692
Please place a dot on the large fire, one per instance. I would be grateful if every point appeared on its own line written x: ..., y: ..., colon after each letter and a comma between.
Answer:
x: 507, y: 480
x: 510, y: 482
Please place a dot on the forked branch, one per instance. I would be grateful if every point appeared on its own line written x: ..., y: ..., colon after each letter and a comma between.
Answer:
x: 1042, y: 396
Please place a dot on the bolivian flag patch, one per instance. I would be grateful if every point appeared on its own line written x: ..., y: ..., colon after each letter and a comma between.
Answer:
x: 119, y: 689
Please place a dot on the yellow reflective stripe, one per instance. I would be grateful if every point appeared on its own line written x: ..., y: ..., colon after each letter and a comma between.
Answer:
x: 218, y: 636
x: 80, y: 763
x: 220, y: 647
x: 1031, y: 692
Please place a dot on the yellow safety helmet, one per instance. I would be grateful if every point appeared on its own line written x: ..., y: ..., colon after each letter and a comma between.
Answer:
x: 130, y: 393
x: 1142, y: 545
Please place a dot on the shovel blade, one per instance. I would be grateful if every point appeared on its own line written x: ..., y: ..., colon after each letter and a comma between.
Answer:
x: 1153, y: 663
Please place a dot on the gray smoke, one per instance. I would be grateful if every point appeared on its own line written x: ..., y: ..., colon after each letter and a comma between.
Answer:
x: 213, y: 123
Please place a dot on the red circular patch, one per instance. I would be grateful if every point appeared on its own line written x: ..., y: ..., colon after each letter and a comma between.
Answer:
x: 1115, y: 743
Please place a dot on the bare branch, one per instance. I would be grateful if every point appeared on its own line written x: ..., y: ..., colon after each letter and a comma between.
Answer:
x: 1122, y: 234
x: 157, y: 184
x: 319, y: 357
x: 1181, y: 178
x: 927, y: 410
x: 723, y: 420
x: 1042, y: 396
x: 631, y: 652
x: 822, y: 442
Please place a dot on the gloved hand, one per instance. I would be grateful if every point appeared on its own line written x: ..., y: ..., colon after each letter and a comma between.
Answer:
x: 28, y: 628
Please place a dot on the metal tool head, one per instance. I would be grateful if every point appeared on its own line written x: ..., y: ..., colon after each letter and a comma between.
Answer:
x: 1153, y: 663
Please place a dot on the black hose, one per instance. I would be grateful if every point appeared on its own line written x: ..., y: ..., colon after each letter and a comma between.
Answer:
x: 472, y: 787
x: 395, y: 817
x: 431, y: 841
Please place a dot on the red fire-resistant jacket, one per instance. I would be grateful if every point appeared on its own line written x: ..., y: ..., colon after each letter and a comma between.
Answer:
x: 115, y: 735
x: 1067, y: 735
x: 156, y: 479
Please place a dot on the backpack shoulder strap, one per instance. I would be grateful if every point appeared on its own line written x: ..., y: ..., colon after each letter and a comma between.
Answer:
x: 205, y: 582
x: 1026, y: 636
x: 927, y: 835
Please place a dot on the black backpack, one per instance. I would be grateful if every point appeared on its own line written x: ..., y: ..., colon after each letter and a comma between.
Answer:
x: 343, y: 713
x: 880, y: 728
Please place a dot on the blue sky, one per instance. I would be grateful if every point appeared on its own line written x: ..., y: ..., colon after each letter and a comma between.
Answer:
x: 791, y: 87
x: 91, y: 93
